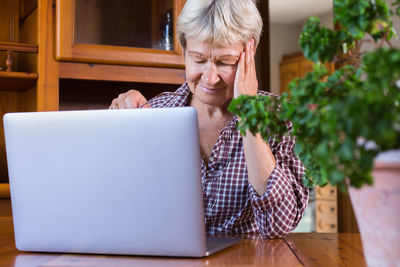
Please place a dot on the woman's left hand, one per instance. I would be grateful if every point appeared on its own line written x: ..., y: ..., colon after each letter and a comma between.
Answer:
x: 246, y: 78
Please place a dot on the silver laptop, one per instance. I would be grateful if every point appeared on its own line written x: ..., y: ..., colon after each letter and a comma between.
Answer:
x: 108, y: 182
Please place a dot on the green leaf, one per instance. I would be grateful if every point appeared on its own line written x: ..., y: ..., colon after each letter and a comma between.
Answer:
x: 319, y: 43
x: 330, y: 113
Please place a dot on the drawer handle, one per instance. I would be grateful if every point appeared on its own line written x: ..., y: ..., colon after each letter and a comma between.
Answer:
x: 332, y: 209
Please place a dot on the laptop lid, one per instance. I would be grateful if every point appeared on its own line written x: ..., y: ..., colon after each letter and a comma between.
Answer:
x: 106, y: 181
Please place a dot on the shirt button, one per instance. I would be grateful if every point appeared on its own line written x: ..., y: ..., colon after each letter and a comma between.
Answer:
x: 211, y: 159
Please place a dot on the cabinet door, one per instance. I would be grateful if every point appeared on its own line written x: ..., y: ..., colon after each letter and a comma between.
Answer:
x: 126, y: 32
x: 289, y: 71
x: 305, y: 67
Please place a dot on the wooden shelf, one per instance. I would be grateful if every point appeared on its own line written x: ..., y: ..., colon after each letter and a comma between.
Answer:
x: 19, y: 47
x: 12, y: 80
x: 104, y: 72
x: 4, y: 190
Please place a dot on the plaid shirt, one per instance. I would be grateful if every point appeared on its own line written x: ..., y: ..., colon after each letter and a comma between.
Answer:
x: 231, y: 204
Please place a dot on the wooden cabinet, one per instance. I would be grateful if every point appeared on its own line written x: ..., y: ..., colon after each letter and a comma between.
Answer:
x: 288, y: 72
x: 119, y: 32
x: 18, y: 67
x: 81, y: 62
x: 326, y: 216
x: 5, y: 210
x: 51, y: 70
x: 15, y: 85
x: 296, y: 66
x: 118, y: 42
x: 326, y: 209
x: 5, y: 216
x: 66, y: 71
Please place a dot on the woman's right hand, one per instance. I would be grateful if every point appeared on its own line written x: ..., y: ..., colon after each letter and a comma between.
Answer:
x: 130, y: 99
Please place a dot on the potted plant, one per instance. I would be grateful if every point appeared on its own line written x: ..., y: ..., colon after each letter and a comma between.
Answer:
x: 344, y: 121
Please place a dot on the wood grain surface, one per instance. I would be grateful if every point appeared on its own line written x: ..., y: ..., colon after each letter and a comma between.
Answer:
x: 251, y: 251
x: 297, y: 249
x: 317, y: 249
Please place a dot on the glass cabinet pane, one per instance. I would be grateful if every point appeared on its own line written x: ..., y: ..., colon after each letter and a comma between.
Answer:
x: 132, y: 23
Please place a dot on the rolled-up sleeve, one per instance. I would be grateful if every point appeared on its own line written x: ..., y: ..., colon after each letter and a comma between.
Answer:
x: 279, y: 210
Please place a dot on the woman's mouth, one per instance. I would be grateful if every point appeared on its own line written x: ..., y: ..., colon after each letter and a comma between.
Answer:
x: 210, y: 90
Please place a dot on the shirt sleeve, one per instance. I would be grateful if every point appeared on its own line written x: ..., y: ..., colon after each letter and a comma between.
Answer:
x: 280, y: 208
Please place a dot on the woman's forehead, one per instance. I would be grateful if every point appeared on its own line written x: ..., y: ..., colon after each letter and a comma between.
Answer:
x: 194, y: 46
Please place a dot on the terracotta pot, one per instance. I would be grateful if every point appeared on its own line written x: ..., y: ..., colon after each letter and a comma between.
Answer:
x: 377, y: 209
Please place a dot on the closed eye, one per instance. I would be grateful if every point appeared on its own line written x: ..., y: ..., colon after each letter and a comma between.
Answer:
x: 197, y: 58
x: 226, y: 63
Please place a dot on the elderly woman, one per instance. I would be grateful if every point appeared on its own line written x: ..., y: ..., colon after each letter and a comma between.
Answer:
x: 250, y: 186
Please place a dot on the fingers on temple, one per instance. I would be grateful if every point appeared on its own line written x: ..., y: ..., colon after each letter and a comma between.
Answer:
x: 240, y: 66
x: 250, y: 63
x: 248, y: 56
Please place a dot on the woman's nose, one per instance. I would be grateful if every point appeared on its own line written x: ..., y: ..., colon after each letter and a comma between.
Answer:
x: 210, y: 74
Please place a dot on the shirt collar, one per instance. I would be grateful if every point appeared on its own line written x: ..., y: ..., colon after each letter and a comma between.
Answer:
x: 181, y: 101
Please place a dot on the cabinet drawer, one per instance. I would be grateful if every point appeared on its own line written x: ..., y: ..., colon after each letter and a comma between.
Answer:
x: 326, y: 208
x: 326, y: 216
x: 327, y: 192
x: 326, y: 226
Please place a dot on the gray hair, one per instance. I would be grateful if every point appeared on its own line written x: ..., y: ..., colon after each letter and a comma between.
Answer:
x: 219, y: 22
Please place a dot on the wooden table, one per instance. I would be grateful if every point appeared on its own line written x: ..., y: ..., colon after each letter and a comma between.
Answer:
x: 297, y: 249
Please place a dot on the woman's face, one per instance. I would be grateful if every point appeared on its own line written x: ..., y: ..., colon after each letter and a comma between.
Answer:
x: 210, y: 71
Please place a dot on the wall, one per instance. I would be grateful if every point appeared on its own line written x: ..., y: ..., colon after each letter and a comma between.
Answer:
x: 327, y: 20
x: 396, y: 23
x: 284, y: 39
